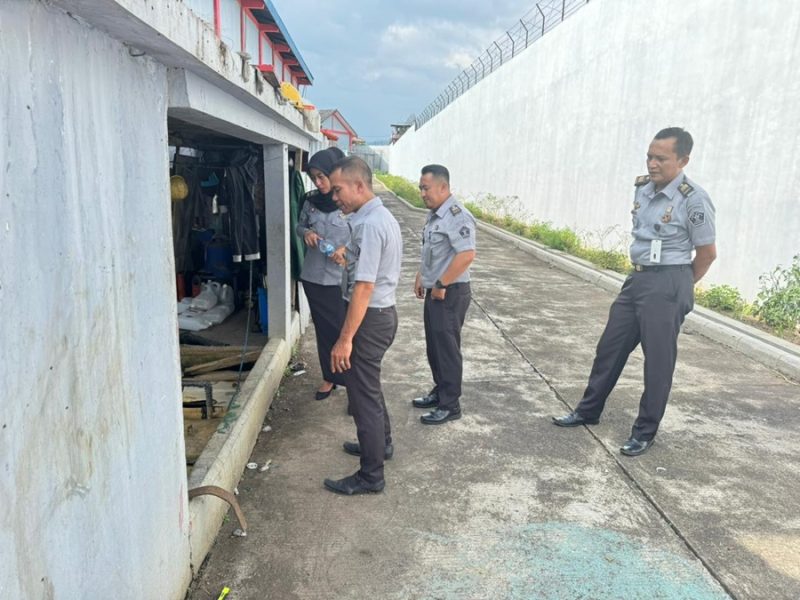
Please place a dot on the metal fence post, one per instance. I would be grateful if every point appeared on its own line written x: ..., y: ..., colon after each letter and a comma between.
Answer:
x: 513, y: 43
x: 525, y: 27
x: 543, y: 19
x: 563, y: 6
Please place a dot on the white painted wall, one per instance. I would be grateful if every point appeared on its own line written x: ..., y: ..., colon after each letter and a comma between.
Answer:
x: 92, y: 474
x: 565, y: 125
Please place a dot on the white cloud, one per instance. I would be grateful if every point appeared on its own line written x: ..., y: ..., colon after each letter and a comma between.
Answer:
x: 459, y: 59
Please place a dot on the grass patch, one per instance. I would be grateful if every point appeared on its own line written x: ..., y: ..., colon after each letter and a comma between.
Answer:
x: 557, y: 238
x: 402, y: 187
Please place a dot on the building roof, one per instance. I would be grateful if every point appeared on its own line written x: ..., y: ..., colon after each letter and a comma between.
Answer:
x: 265, y: 13
x: 327, y: 112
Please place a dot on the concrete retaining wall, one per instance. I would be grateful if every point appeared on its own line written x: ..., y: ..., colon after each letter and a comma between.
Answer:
x: 92, y: 484
x: 565, y: 125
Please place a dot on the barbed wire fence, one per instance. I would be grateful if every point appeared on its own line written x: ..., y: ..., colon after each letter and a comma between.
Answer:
x: 543, y: 17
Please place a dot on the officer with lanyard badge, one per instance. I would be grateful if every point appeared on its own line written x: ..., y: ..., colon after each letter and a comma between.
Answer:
x: 672, y: 216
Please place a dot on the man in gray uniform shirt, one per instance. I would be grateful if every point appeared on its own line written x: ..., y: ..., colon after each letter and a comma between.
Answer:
x: 372, y: 269
x: 448, y: 249
x: 672, y: 216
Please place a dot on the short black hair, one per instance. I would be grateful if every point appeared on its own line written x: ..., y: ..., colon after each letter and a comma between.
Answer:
x: 353, y: 165
x: 437, y: 171
x: 683, y: 139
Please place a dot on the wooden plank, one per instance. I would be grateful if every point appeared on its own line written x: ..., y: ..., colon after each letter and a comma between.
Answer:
x: 190, y: 349
x: 216, y: 376
x: 222, y: 363
x: 195, y: 355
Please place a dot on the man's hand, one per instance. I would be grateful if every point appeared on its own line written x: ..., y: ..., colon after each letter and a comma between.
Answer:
x: 338, y: 256
x: 438, y: 293
x: 340, y: 355
x: 419, y: 291
x: 311, y: 237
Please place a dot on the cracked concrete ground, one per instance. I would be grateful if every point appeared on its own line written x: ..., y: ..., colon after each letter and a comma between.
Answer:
x: 502, y: 504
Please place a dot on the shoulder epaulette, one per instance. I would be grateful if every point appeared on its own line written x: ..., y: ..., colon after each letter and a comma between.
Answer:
x: 641, y: 180
x: 686, y: 189
x: 455, y: 209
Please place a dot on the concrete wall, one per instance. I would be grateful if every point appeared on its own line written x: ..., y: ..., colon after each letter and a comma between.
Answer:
x: 92, y: 482
x: 565, y: 125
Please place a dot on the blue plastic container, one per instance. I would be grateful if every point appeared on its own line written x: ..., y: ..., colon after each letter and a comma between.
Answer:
x: 263, y: 310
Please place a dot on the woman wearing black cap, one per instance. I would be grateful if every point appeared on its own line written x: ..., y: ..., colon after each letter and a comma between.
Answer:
x: 324, y: 228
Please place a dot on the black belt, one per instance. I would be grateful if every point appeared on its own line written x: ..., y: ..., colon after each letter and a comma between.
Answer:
x: 374, y: 309
x: 380, y: 309
x: 453, y: 285
x: 659, y: 267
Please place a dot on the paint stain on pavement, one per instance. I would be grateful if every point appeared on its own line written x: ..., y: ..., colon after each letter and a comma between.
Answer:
x: 555, y: 561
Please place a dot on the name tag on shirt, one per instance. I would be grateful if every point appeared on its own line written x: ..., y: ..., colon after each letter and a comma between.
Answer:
x: 655, y: 251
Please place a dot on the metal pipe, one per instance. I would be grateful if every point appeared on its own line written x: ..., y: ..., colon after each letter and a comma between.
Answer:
x: 483, y: 67
x: 513, y: 43
x: 563, y: 6
x: 501, y: 52
x: 525, y: 27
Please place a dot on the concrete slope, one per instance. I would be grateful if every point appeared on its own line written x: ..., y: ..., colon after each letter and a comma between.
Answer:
x: 502, y: 504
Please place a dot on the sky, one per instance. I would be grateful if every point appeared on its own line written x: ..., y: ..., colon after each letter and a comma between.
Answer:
x: 380, y: 61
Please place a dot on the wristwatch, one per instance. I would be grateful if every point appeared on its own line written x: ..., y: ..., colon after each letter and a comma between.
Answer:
x: 439, y: 285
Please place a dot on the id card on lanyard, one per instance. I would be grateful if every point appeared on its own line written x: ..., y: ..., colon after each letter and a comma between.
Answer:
x: 655, y: 252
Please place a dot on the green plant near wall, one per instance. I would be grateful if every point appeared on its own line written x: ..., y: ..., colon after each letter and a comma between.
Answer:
x: 724, y: 298
x: 778, y: 303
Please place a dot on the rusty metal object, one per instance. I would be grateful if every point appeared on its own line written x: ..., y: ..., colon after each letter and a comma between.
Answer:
x: 213, y: 490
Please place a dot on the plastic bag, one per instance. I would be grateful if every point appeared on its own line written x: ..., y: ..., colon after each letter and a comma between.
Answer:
x: 208, y: 297
x: 184, y: 305
x: 192, y: 322
x: 226, y: 296
x: 216, y: 315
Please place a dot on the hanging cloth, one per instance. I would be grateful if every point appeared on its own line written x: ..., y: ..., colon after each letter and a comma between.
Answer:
x: 237, y: 191
x: 297, y: 193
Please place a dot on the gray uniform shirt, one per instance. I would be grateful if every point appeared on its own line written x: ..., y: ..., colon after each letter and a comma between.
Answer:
x: 681, y: 216
x: 448, y: 230
x: 332, y: 227
x: 374, y: 253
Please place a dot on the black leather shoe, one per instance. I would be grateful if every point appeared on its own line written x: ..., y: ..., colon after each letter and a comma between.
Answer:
x: 428, y: 401
x: 323, y: 395
x: 439, y: 416
x: 354, y: 449
x: 350, y: 486
x: 634, y: 447
x: 573, y: 419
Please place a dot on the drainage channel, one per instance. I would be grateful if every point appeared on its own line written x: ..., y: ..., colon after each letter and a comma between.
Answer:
x: 648, y: 497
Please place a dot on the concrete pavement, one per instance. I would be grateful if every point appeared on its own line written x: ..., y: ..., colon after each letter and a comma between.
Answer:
x: 502, y: 504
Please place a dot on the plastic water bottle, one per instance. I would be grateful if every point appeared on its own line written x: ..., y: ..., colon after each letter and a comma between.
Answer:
x: 325, y: 247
